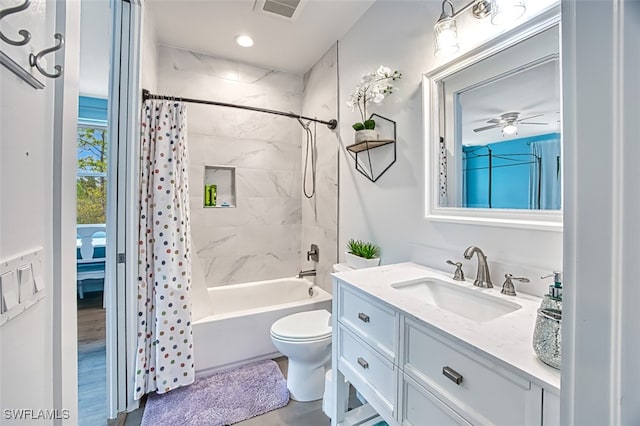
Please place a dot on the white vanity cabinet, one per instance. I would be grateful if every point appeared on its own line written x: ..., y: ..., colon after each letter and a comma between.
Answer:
x: 479, y: 391
x: 420, y: 407
x: 365, y: 348
x: 413, y: 374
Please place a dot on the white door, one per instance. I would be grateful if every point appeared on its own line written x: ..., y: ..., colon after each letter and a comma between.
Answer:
x: 122, y: 209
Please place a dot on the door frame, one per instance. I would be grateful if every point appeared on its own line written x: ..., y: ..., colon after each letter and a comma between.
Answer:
x: 64, y: 327
x: 122, y: 267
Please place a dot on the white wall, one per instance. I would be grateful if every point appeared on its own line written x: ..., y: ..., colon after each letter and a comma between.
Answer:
x: 260, y: 238
x: 320, y: 213
x: 95, y: 46
x: 399, y: 34
x: 149, y: 51
x: 26, y: 203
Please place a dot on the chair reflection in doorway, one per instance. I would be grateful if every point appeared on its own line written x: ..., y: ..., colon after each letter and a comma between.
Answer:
x: 90, y: 257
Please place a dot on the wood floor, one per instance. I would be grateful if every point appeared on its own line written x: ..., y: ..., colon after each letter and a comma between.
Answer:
x: 92, y: 373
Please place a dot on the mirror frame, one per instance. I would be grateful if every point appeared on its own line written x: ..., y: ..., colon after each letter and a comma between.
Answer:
x: 550, y: 220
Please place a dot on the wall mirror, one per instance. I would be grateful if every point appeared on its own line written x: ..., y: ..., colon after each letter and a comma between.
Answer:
x: 493, y: 132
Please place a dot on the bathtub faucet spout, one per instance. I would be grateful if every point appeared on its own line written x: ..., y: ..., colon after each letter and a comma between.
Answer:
x: 309, y: 273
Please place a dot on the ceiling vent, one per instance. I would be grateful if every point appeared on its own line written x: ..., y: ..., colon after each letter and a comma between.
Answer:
x: 284, y: 9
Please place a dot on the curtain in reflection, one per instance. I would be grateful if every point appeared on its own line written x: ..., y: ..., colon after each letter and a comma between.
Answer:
x: 545, y: 175
x: 442, y: 176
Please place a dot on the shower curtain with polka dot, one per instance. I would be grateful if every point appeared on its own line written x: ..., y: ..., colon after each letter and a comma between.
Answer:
x: 164, y: 358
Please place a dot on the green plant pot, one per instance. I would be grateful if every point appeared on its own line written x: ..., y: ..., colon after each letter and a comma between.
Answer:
x: 357, y: 262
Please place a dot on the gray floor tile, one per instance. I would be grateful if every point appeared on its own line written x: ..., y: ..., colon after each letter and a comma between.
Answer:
x: 293, y: 414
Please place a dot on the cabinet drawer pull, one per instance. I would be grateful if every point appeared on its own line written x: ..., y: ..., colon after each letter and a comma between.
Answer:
x: 452, y: 374
x: 363, y: 317
x: 363, y: 363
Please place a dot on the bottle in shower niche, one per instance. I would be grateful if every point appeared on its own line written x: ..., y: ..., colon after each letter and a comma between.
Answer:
x: 210, y: 194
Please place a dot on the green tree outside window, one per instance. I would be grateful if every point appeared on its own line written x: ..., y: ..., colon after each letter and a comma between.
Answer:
x: 92, y: 171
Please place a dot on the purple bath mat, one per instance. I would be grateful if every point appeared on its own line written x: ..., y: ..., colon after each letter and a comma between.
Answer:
x: 220, y: 399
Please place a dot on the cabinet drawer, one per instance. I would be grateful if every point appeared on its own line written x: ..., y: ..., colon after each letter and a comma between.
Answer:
x: 483, y: 386
x: 369, y: 319
x: 372, y: 374
x: 421, y: 407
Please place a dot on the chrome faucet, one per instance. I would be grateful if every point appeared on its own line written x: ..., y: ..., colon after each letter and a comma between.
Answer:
x: 508, y: 287
x: 458, y: 275
x: 313, y: 254
x: 309, y: 273
x: 483, y: 279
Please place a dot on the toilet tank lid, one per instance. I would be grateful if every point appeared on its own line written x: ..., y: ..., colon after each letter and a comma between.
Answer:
x: 304, y: 325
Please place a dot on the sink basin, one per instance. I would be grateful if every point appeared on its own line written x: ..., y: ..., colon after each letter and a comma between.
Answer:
x: 468, y: 303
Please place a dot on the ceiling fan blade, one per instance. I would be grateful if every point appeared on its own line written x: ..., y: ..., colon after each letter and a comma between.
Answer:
x: 543, y: 124
x: 494, y: 121
x: 482, y: 129
x: 533, y: 116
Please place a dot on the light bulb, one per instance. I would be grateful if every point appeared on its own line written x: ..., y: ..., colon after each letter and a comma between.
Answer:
x: 509, y: 129
x: 446, y: 36
x: 505, y: 11
x: 244, y: 40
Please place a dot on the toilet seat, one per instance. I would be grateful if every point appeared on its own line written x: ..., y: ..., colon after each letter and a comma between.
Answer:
x: 303, y: 327
x: 300, y: 340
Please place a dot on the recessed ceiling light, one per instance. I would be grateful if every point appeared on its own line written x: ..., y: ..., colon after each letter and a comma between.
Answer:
x: 244, y: 40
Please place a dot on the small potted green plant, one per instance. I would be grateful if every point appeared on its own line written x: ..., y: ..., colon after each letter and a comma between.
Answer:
x: 373, y: 87
x: 362, y: 254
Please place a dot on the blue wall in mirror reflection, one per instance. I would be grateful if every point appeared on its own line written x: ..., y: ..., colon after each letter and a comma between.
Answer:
x: 519, y: 173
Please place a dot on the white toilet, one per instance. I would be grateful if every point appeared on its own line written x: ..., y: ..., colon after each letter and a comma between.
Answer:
x: 304, y: 338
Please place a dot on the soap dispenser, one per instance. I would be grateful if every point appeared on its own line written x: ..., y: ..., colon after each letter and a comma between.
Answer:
x: 547, y: 337
x: 553, y: 299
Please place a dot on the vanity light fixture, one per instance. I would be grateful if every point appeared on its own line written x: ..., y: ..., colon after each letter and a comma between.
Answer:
x: 445, y: 29
x: 244, y: 40
x: 446, y: 33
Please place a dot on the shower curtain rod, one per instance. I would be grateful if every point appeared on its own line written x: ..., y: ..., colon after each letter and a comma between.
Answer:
x: 331, y: 124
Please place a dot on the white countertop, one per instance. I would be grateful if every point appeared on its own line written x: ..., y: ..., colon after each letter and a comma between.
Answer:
x: 507, y: 340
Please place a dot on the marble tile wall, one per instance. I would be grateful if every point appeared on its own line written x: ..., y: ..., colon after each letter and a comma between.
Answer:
x: 320, y: 213
x: 260, y: 238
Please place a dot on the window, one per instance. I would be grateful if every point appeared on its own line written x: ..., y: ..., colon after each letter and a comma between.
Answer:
x: 91, y: 182
x: 92, y: 174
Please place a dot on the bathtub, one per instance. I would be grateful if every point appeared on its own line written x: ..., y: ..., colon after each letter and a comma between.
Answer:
x: 238, y: 330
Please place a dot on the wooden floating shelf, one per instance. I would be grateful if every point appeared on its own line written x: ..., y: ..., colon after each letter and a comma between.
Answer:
x: 365, y: 145
x: 369, y: 164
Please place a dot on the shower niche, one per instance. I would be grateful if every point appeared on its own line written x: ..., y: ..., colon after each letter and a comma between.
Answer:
x: 219, y: 187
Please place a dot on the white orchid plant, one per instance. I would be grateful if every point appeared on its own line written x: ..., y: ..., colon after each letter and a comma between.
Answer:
x: 373, y: 87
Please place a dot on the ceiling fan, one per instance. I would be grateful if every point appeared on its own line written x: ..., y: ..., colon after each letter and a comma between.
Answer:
x: 508, y: 122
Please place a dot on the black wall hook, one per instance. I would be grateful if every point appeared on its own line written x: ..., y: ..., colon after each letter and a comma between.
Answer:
x: 34, y: 60
x: 26, y: 35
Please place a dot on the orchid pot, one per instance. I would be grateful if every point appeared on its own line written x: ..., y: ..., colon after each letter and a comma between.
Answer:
x: 373, y: 87
x: 366, y: 135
